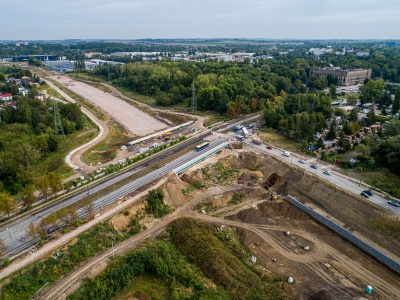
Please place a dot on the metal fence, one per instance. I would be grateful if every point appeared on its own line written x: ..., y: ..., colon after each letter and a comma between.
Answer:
x: 375, y: 253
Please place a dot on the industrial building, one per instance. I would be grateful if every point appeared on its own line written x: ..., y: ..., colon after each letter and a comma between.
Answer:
x: 24, y: 58
x: 343, y: 76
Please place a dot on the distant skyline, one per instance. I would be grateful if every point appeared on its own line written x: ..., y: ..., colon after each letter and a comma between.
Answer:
x: 134, y: 19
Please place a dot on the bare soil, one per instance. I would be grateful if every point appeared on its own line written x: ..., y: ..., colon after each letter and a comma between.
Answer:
x: 262, y: 228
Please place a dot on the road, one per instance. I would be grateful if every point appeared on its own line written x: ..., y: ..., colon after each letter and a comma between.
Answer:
x: 342, y: 181
x: 73, y: 159
x: 15, y: 237
x: 321, y: 252
x: 132, y: 118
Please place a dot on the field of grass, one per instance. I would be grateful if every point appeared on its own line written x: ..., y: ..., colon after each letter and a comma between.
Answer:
x: 55, y: 94
x: 56, y: 161
x: 269, y: 136
x: 106, y: 149
x: 383, y: 180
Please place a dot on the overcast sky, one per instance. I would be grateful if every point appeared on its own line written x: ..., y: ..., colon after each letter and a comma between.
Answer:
x: 129, y: 19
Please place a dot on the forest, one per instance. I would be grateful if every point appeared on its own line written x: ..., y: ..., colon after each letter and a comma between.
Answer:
x: 27, y: 136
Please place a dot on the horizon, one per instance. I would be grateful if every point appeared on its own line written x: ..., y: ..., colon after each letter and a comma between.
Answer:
x: 124, y: 19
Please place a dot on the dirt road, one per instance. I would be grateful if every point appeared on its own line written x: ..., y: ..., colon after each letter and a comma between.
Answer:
x: 75, y: 156
x: 130, y: 117
x: 348, y: 270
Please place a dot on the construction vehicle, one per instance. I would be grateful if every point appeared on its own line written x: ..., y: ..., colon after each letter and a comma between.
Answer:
x: 164, y: 134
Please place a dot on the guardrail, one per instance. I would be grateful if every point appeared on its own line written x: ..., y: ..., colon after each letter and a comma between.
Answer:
x: 203, y: 156
x: 375, y: 253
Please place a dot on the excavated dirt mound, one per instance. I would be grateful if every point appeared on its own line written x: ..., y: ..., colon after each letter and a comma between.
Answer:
x: 353, y: 212
x: 250, y: 177
x: 173, y: 195
x: 267, y: 211
x: 320, y: 295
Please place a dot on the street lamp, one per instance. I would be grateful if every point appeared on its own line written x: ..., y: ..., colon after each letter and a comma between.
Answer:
x: 12, y: 242
x: 38, y: 290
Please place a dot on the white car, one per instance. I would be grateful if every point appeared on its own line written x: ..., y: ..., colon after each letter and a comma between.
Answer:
x: 302, y: 161
x: 286, y: 153
x: 327, y: 172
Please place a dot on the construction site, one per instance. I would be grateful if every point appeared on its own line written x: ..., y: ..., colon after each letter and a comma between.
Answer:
x: 244, y: 190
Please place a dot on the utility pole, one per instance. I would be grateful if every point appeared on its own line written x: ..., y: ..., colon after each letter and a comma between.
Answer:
x: 57, y: 121
x: 12, y: 242
x: 194, y: 102
x: 38, y: 290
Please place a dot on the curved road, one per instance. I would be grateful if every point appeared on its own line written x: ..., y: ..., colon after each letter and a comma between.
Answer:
x: 313, y: 259
x: 15, y: 236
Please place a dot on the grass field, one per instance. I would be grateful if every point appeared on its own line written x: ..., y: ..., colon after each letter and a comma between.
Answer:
x: 56, y: 161
x: 269, y: 136
x: 106, y: 149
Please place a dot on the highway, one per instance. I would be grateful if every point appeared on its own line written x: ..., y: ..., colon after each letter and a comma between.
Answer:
x: 15, y: 237
x: 342, y: 181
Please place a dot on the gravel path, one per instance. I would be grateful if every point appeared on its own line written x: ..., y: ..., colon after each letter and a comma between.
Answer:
x: 132, y: 118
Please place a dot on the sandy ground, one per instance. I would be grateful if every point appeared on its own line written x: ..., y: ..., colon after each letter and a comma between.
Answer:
x: 261, y: 223
x: 133, y: 119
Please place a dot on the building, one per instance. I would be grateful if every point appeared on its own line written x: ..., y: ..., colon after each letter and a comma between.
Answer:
x: 24, y: 58
x: 91, y: 54
x: 344, y: 76
x: 6, y: 97
x: 362, y: 53
x: 41, y: 97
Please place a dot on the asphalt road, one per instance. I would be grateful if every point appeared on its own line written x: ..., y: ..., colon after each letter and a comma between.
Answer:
x: 336, y: 178
x: 15, y: 237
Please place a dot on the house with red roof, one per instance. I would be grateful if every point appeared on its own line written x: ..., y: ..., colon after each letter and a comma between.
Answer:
x: 6, y: 97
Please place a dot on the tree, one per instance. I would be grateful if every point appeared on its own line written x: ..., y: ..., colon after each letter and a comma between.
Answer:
x: 332, y: 90
x: 35, y: 231
x: 347, y: 129
x: 371, y: 116
x: 29, y: 198
x: 331, y: 135
x: 396, y: 102
x: 319, y: 144
x: 363, y: 149
x: 372, y: 91
x: 352, y: 99
x: 44, y: 185
x: 353, y: 115
x: 7, y: 203
x: 55, y: 182
x: 3, y: 249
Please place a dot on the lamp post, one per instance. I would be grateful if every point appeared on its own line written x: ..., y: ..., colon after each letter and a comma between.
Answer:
x: 38, y: 290
x: 12, y: 242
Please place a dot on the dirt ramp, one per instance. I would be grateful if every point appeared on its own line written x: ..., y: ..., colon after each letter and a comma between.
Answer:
x: 320, y: 295
x: 173, y: 194
x: 267, y: 211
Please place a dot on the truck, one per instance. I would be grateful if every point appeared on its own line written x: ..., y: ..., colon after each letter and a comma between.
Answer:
x: 237, y: 128
x: 245, y: 132
x: 256, y: 141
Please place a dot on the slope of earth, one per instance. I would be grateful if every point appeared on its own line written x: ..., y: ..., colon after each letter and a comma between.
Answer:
x: 132, y: 118
x: 174, y: 267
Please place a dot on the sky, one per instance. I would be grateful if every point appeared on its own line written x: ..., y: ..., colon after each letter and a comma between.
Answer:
x: 133, y: 19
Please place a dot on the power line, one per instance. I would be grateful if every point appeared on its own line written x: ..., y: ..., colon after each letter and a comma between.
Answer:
x: 194, y: 102
x: 57, y: 121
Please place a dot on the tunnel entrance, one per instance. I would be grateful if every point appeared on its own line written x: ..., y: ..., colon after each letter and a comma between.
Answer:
x: 272, y: 180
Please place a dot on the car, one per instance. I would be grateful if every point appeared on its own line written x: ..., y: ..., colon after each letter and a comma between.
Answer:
x: 269, y: 147
x: 286, y: 153
x: 327, y: 172
x: 368, y: 192
x: 394, y: 203
x: 365, y: 195
x: 302, y: 161
x: 314, y: 166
